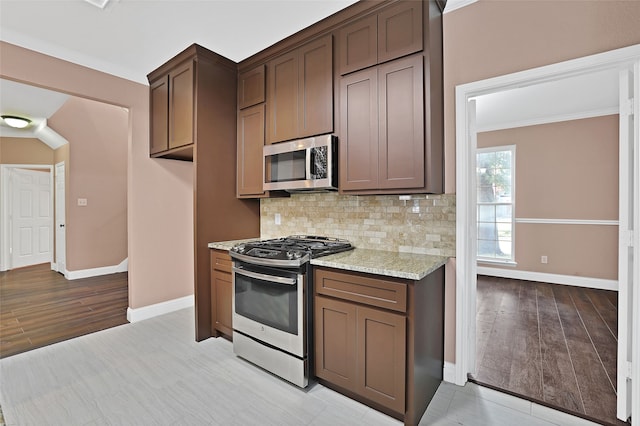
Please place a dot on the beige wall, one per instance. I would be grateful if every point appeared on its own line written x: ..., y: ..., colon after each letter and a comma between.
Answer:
x: 159, y: 192
x: 96, y: 235
x: 24, y: 151
x: 565, y: 170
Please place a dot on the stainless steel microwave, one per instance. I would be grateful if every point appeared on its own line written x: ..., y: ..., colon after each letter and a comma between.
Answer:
x: 302, y: 165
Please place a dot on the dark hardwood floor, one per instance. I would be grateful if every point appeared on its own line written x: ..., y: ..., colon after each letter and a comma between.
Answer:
x: 39, y: 307
x: 550, y: 343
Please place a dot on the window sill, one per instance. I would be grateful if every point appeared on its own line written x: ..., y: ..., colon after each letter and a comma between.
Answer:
x: 497, y: 262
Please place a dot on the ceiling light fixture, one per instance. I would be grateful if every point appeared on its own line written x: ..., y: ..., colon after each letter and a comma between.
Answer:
x: 17, y: 122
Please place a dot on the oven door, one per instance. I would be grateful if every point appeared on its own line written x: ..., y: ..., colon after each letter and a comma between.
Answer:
x: 268, y: 306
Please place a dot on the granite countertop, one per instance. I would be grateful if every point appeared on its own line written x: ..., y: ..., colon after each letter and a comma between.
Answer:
x: 392, y: 264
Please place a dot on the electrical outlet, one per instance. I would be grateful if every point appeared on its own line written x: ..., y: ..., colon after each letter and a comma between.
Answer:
x: 82, y: 202
x: 278, y: 219
x: 543, y: 259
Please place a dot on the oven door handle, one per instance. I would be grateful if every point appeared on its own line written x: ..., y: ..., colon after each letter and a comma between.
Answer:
x: 265, y: 277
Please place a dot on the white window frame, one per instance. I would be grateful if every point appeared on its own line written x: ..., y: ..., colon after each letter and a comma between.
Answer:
x: 512, y: 260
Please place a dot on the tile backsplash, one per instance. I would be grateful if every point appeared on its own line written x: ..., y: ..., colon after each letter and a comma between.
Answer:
x: 425, y: 224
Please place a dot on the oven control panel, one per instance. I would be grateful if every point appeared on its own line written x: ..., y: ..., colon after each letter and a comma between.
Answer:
x: 266, y: 253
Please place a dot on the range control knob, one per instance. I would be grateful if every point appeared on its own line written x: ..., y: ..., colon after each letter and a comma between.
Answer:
x: 290, y: 254
x: 240, y: 249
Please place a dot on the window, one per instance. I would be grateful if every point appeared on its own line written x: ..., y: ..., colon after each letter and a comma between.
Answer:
x: 495, y: 203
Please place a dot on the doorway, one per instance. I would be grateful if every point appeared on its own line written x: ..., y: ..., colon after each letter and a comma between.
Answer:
x: 60, y: 223
x: 625, y: 62
x: 27, y: 215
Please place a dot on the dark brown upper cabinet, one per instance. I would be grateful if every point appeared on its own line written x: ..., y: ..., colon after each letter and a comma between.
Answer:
x: 250, y: 157
x: 359, y: 45
x: 251, y: 87
x: 394, y: 32
x: 382, y: 127
x: 172, y: 111
x: 359, y: 131
x: 300, y: 92
x: 390, y: 114
x: 159, y: 105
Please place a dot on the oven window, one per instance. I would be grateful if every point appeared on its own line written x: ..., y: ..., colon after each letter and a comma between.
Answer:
x: 268, y: 303
x: 287, y: 166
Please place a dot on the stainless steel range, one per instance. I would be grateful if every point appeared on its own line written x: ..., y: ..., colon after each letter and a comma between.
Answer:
x: 273, y: 302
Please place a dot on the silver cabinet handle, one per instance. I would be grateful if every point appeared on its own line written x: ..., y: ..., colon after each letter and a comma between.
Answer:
x: 265, y: 277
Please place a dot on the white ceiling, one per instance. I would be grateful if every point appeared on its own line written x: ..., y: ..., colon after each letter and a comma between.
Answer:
x: 34, y: 103
x: 130, y: 38
x: 581, y: 96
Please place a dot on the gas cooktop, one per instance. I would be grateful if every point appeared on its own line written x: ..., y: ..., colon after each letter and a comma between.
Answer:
x: 293, y: 250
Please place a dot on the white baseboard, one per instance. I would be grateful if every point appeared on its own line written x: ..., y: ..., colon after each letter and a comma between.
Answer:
x: 449, y: 372
x: 94, y: 272
x: 572, y: 280
x: 150, y: 311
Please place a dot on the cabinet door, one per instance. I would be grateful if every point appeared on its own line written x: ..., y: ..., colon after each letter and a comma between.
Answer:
x: 358, y: 45
x: 250, y: 145
x: 359, y: 130
x: 181, y: 105
x: 221, y: 293
x: 159, y: 104
x: 381, y: 348
x: 221, y: 300
x: 282, y: 99
x: 251, y: 87
x: 401, y: 123
x: 335, y: 342
x: 399, y: 30
x: 315, y: 88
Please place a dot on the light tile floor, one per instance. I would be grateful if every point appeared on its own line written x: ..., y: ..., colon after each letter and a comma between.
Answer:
x: 154, y: 373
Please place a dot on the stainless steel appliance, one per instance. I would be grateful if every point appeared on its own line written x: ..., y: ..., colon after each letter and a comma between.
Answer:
x: 273, y: 302
x: 302, y: 165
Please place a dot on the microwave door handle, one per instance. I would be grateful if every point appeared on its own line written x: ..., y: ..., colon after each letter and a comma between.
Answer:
x: 310, y: 159
x: 265, y: 277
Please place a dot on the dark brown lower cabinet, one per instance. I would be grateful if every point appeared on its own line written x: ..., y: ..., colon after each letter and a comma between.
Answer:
x: 221, y: 294
x: 380, y: 340
x: 335, y: 341
x: 381, y: 344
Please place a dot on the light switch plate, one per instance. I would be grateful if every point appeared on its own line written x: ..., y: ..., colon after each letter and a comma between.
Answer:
x: 82, y: 202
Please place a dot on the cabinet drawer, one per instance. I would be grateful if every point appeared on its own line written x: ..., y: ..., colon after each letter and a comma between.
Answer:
x: 220, y: 260
x: 369, y: 290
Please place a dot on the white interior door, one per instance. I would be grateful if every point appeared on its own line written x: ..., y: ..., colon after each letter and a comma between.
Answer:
x: 61, y: 235
x: 628, y: 292
x: 31, y: 217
